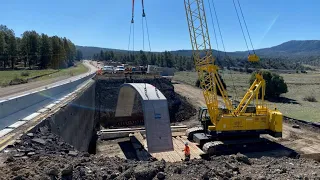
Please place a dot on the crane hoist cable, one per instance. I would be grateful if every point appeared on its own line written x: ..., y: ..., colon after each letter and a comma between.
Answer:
x: 244, y: 36
x: 147, y: 28
x: 224, y: 48
x: 246, y: 26
x: 131, y: 29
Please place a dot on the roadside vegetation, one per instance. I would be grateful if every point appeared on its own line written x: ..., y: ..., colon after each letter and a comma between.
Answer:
x: 296, y: 103
x: 35, y: 51
x: 14, y: 77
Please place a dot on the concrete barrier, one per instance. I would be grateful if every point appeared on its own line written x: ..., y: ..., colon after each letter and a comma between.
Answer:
x: 13, y: 109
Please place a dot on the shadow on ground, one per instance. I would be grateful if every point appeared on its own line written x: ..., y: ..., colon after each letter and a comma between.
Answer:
x: 283, y: 100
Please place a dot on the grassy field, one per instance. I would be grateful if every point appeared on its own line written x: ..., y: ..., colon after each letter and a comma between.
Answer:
x: 7, y: 76
x: 299, y: 87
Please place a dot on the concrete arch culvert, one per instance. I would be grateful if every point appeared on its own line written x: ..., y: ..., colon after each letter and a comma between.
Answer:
x: 155, y: 113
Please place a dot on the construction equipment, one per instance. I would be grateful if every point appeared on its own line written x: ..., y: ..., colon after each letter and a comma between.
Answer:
x: 235, y: 123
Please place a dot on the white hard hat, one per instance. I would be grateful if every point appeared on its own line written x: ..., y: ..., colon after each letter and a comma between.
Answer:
x: 186, y: 143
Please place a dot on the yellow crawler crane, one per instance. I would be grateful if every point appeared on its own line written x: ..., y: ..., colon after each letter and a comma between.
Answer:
x: 234, y: 124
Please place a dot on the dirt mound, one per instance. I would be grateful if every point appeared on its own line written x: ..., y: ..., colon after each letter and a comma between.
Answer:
x: 96, y: 167
x: 43, y: 155
x: 107, y: 95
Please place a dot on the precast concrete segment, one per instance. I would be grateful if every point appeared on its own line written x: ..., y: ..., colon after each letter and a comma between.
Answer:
x: 155, y: 112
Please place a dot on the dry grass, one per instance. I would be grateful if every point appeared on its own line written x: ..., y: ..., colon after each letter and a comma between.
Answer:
x: 294, y: 105
x: 7, y: 76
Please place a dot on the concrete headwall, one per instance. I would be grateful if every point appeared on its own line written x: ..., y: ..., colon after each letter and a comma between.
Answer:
x: 75, y: 123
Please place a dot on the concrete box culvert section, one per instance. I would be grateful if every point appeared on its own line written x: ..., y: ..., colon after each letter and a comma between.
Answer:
x: 16, y: 108
x: 155, y: 111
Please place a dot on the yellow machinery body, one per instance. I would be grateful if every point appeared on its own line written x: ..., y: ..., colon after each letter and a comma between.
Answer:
x: 251, y: 122
x: 233, y: 118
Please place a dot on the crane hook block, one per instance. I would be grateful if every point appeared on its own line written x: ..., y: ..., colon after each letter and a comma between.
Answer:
x: 253, y: 58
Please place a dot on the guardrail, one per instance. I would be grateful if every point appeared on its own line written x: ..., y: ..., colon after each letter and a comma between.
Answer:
x: 13, y: 109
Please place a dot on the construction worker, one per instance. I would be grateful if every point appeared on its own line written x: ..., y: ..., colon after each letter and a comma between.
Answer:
x: 186, y: 152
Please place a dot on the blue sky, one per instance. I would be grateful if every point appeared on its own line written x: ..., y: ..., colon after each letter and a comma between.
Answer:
x: 105, y: 23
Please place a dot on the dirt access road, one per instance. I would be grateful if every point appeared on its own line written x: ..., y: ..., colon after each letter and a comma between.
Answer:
x: 16, y: 90
x: 302, y: 140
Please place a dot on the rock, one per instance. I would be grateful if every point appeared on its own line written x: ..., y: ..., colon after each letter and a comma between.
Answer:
x: 283, y: 170
x: 39, y: 141
x: 177, y: 170
x: 205, y: 176
x: 296, y: 126
x: 227, y: 174
x: 15, y: 168
x: 262, y: 177
x: 86, y: 154
x: 30, y: 134
x: 18, y: 155
x: 114, y: 175
x: 120, y: 169
x: 67, y: 171
x: 82, y: 172
x: 10, y: 159
x: 18, y: 178
x: 53, y: 171
x: 232, y: 167
x: 144, y: 172
x: 31, y: 153
x: 161, y: 175
x: 248, y: 178
x: 73, y: 153
x: 105, y: 177
x: 243, y: 158
x: 126, y: 174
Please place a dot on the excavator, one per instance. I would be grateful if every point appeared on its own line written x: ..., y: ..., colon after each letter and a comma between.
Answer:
x: 236, y: 124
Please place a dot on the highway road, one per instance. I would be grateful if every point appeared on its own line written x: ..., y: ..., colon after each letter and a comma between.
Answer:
x: 18, y: 90
x: 19, y: 105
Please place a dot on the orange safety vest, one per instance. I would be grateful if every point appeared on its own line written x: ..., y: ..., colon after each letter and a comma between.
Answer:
x: 186, y: 150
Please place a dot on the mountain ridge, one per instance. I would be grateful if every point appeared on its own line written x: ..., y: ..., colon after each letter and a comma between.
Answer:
x: 292, y: 48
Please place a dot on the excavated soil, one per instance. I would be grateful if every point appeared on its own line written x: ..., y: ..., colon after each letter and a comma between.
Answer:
x: 43, y: 155
x: 107, y: 94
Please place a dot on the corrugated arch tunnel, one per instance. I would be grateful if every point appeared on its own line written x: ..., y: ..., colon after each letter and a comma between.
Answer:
x: 155, y: 113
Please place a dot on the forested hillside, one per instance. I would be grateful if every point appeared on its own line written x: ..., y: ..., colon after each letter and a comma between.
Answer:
x: 35, y: 51
x: 289, y: 55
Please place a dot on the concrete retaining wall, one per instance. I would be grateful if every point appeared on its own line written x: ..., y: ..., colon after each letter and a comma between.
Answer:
x: 16, y: 108
x: 75, y: 123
